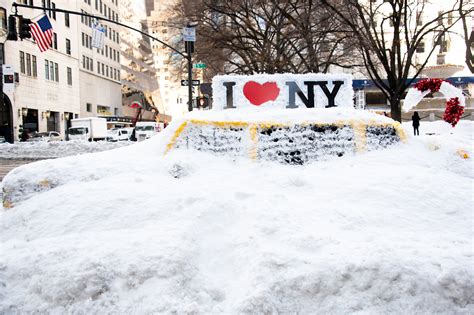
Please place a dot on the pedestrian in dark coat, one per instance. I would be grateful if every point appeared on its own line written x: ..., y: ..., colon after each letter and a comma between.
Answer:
x: 6, y: 131
x: 416, y: 123
x: 133, y: 137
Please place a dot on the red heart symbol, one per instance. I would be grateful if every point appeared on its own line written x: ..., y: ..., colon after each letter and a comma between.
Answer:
x: 258, y: 93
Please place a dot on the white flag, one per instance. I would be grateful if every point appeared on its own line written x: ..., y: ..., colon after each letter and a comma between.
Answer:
x: 98, y: 36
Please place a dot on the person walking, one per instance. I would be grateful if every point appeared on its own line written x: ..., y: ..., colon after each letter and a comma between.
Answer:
x: 416, y: 123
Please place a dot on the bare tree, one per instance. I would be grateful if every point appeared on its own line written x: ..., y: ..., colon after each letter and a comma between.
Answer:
x: 468, y: 38
x: 270, y: 36
x: 388, y: 34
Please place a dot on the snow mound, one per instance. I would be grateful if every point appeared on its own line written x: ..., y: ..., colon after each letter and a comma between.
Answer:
x: 133, y: 231
x: 289, y: 137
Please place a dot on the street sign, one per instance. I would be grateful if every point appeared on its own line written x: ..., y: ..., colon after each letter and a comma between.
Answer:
x: 200, y: 65
x: 194, y: 82
x: 189, y: 34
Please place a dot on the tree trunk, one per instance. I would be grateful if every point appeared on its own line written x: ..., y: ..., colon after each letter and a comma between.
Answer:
x: 396, y: 111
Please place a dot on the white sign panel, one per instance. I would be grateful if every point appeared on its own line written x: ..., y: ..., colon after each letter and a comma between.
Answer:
x: 189, y: 34
x: 8, y: 77
x: 98, y: 36
x: 314, y: 90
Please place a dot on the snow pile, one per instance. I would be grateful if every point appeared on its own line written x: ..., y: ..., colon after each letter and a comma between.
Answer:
x: 54, y: 149
x: 133, y: 231
x: 287, y: 136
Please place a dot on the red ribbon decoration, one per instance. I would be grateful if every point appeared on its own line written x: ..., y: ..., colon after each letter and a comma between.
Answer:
x: 453, y: 111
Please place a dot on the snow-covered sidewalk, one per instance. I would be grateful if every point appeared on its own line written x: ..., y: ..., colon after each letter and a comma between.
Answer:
x: 54, y: 149
x: 131, y: 231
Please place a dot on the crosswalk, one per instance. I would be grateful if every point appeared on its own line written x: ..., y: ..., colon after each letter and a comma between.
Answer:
x: 7, y: 165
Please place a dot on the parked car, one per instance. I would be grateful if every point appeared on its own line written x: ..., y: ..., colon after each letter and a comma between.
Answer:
x: 147, y: 129
x: 121, y: 134
x: 45, y: 136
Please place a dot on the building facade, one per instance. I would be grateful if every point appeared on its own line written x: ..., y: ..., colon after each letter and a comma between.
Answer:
x: 99, y: 69
x: 46, y: 92
x: 139, y: 81
x: 69, y: 80
x: 169, y: 65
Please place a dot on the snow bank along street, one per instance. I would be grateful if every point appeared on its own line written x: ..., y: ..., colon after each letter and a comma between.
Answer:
x: 134, y: 230
x: 54, y: 149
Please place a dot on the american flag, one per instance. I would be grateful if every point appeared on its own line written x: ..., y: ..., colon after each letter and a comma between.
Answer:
x: 42, y: 32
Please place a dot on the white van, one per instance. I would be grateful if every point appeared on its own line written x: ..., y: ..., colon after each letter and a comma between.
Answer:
x: 92, y: 128
x: 147, y: 129
x: 121, y: 134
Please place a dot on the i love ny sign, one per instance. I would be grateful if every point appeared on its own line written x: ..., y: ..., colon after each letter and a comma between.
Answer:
x: 282, y: 91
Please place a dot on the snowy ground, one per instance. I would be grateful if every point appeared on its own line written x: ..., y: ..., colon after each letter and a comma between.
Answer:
x: 131, y: 231
x: 54, y: 149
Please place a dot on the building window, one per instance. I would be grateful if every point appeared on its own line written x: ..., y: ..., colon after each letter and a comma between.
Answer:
x: 22, y: 62
x: 53, y: 6
x: 48, y: 5
x: 100, y: 6
x: 68, y: 46
x: 419, y: 19
x: 444, y: 46
x: 55, y: 41
x: 28, y: 64
x: 46, y: 69
x: 89, y: 107
x: 34, y: 66
x: 420, y: 48
x: 66, y: 20
x: 3, y: 18
x: 96, y: 4
x: 56, y: 72
x: 69, y: 76
x: 51, y: 71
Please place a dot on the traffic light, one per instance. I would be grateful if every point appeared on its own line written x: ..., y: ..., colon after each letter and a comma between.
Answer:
x: 12, y: 35
x: 202, y: 101
x: 24, y: 28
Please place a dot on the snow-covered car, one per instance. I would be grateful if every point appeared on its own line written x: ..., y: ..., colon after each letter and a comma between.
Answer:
x: 147, y: 129
x: 122, y: 134
x: 45, y: 136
